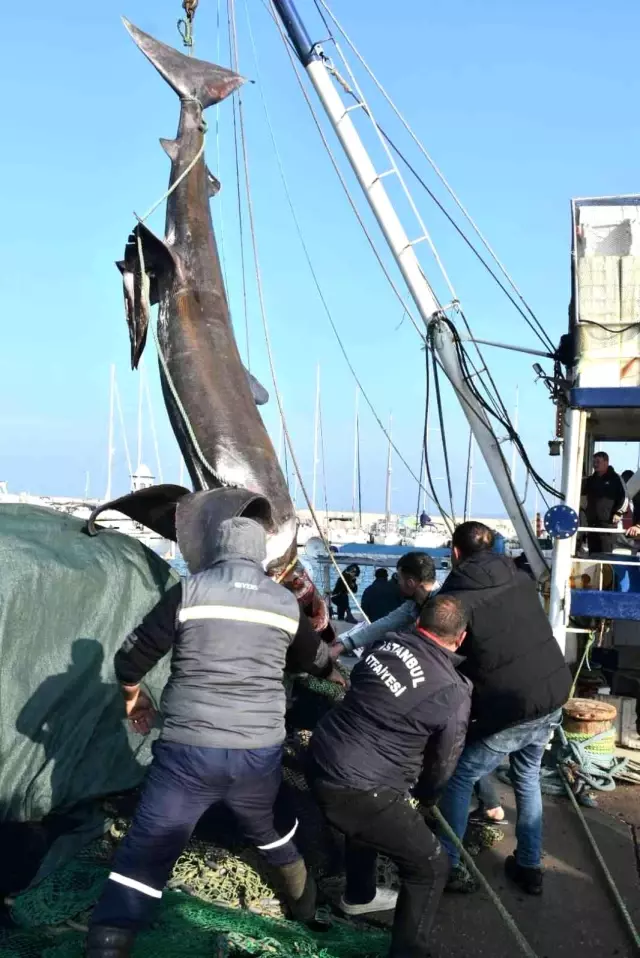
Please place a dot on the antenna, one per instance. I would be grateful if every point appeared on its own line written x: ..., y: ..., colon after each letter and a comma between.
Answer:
x: 315, y: 439
x: 110, y: 447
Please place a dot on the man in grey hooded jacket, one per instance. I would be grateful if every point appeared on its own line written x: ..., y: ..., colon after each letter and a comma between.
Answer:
x: 232, y: 631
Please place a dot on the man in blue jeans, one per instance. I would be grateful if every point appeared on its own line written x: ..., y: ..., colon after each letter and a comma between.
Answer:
x: 520, y: 683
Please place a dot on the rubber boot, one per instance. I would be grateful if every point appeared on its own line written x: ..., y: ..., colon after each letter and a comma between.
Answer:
x: 104, y: 941
x: 300, y: 890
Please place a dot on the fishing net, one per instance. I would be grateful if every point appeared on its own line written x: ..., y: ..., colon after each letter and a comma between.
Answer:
x: 221, y: 900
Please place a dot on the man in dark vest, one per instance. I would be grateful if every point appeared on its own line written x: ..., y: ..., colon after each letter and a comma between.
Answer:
x: 231, y: 631
x: 401, y: 725
x: 520, y: 683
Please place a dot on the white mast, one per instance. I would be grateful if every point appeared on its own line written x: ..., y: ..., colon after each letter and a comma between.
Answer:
x: 387, y: 498
x: 315, y: 438
x: 356, y: 439
x: 404, y: 251
x: 140, y: 399
x: 110, y: 449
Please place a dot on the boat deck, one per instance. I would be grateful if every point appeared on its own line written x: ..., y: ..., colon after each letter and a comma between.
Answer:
x: 575, y: 915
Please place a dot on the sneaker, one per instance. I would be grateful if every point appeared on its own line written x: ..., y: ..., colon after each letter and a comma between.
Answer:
x: 528, y: 879
x: 385, y: 900
x: 461, y: 880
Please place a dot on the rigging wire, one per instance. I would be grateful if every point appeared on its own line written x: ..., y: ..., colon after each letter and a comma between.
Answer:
x: 543, y: 337
x: 307, y: 254
x: 499, y: 410
x: 431, y: 162
x: 448, y: 519
x: 221, y: 201
x: 237, y: 103
x: 445, y: 450
x: 294, y: 63
x: 496, y: 401
x: 324, y: 471
x: 540, y: 483
x: 267, y: 336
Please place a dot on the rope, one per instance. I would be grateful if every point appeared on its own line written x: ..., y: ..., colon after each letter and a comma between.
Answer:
x: 185, y: 418
x: 524, y: 945
x: 233, y: 48
x: 276, y: 389
x: 185, y: 26
x: 438, y: 173
x: 449, y: 520
x: 443, y: 437
x: 307, y: 255
x: 607, y: 874
x: 178, y: 181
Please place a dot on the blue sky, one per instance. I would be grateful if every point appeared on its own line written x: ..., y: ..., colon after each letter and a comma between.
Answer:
x: 522, y: 105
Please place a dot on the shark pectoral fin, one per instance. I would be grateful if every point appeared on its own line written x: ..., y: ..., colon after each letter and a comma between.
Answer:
x: 136, y: 310
x: 160, y: 267
x: 213, y: 183
x: 259, y: 393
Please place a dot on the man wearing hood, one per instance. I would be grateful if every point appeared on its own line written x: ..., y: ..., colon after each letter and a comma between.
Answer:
x: 520, y: 683
x: 232, y: 631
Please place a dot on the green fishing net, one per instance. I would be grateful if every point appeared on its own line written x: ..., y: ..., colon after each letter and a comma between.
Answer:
x: 220, y: 900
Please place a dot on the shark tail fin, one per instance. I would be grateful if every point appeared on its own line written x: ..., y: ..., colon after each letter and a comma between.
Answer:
x: 190, y: 78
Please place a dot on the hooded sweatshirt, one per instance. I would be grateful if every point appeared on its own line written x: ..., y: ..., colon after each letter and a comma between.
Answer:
x: 231, y: 631
x: 511, y: 656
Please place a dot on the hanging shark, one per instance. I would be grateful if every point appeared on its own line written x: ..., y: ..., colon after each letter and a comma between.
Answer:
x: 210, y: 397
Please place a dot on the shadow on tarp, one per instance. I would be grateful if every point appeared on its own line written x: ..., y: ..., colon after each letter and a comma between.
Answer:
x: 49, y: 721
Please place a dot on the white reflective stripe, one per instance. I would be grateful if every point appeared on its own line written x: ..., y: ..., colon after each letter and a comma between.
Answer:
x: 281, y: 841
x: 136, y: 885
x: 233, y: 613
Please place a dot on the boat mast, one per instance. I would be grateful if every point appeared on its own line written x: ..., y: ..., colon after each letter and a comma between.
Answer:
x: 356, y: 442
x: 110, y: 449
x: 404, y: 252
x: 316, y: 426
x: 140, y: 394
x: 387, y: 497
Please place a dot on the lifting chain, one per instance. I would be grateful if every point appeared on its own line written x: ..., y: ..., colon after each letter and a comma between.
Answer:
x: 185, y: 26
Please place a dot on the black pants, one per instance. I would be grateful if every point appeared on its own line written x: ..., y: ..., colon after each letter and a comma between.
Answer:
x: 382, y: 821
x: 182, y: 783
x: 341, y: 603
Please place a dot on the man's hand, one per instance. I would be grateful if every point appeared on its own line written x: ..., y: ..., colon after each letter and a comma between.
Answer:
x: 634, y: 532
x: 336, y: 650
x: 139, y: 709
x: 337, y: 678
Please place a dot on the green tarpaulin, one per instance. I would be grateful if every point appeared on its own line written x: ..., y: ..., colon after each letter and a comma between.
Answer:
x: 67, y: 600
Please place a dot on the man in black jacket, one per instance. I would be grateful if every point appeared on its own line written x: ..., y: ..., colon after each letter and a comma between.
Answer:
x: 520, y: 683
x: 231, y: 631
x: 381, y: 597
x: 606, y: 495
x: 402, y: 724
